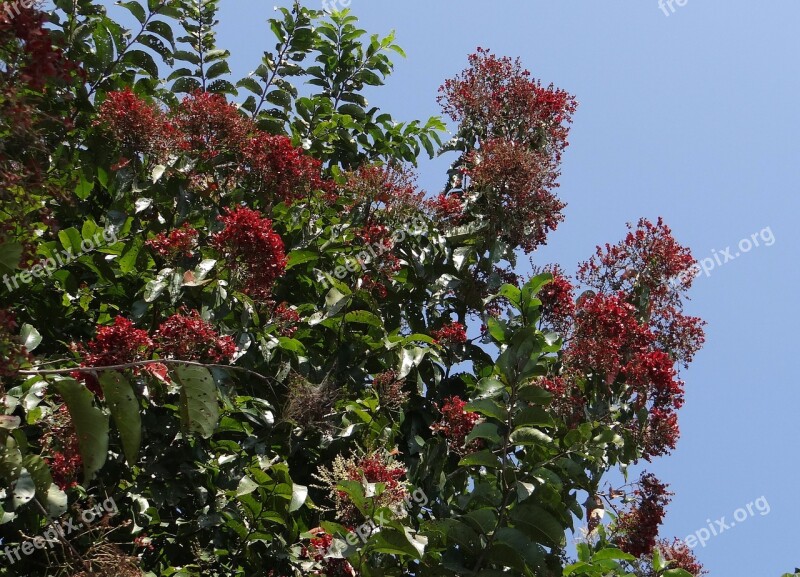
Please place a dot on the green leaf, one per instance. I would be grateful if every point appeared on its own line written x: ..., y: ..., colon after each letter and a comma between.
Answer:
x: 30, y: 337
x: 393, y: 542
x: 486, y: 431
x: 136, y: 9
x: 198, y: 405
x: 488, y: 407
x: 529, y: 436
x: 481, y: 458
x: 91, y: 425
x: 10, y: 255
x: 124, y: 408
x: 297, y: 257
x: 364, y: 317
x: 533, y: 416
x: 539, y: 524
x: 612, y: 553
x: 299, y: 496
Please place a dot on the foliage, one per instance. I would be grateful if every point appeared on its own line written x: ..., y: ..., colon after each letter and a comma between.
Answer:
x: 272, y: 364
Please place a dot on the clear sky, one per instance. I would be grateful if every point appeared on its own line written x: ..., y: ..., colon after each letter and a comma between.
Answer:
x: 690, y: 116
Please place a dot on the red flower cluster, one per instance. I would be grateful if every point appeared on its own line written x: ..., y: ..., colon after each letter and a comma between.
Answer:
x: 317, y: 549
x: 522, y: 129
x: 680, y: 556
x: 23, y: 35
x: 255, y: 253
x: 606, y: 332
x: 389, y: 188
x: 210, y: 126
x: 60, y: 443
x: 456, y: 424
x: 12, y: 352
x: 141, y: 127
x: 285, y: 319
x: 568, y: 400
x: 374, y: 469
x: 179, y: 242
x: 638, y: 527
x: 450, y: 334
x: 191, y: 338
x: 447, y: 209
x: 650, y: 262
x: 558, y: 303
x: 497, y: 98
x: 518, y: 188
x: 118, y: 344
x: 279, y: 169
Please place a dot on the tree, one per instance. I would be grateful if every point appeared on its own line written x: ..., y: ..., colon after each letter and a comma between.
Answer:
x: 246, y: 343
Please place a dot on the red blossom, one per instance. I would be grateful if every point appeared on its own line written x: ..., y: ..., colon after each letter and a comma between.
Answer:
x: 191, y: 338
x: 386, y: 192
x: 606, y: 333
x: 497, y: 98
x: 558, y: 302
x: 679, y: 556
x: 637, y: 527
x: 178, y: 242
x: 649, y: 263
x: 456, y: 423
x: 255, y: 253
x: 140, y: 127
x: 518, y: 195
x: 117, y: 344
x: 210, y: 126
x: 286, y: 319
x: 450, y: 334
x: 447, y: 209
x: 29, y: 47
x: 318, y: 547
x: 61, y: 448
x: 280, y: 170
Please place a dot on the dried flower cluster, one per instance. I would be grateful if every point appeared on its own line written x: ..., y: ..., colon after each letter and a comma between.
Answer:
x: 637, y: 527
x: 390, y: 389
x: 61, y: 449
x: 12, y: 351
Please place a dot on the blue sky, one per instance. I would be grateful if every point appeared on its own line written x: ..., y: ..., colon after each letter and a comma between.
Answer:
x: 691, y: 117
